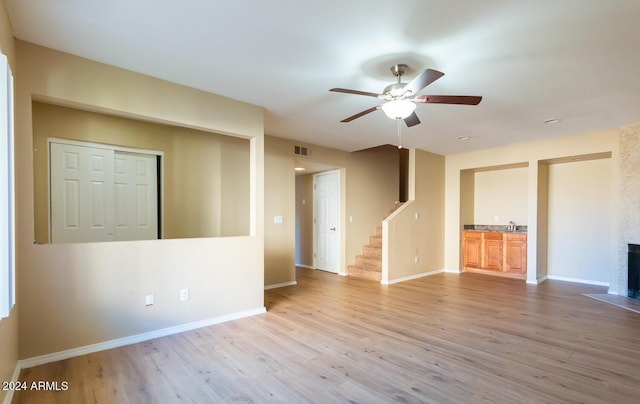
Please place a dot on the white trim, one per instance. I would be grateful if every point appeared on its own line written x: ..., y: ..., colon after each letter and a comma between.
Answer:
x: 280, y: 285
x: 133, y: 339
x: 453, y: 271
x: 305, y: 266
x: 107, y: 146
x: 576, y: 280
x: 115, y: 148
x: 538, y: 281
x: 7, y: 190
x: 408, y: 278
x: 14, y: 378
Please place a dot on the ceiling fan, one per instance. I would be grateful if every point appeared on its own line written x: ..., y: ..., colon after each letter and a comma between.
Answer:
x: 401, y: 98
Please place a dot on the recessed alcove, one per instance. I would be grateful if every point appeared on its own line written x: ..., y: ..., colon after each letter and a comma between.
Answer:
x: 494, y: 195
x: 566, y: 203
x: 203, y: 177
x: 575, y: 216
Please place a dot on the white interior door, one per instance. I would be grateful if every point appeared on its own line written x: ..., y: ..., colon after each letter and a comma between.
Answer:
x: 326, y: 212
x: 136, y: 196
x: 81, y: 186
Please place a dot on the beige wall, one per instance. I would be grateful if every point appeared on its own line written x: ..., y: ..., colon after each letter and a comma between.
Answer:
x: 533, y: 154
x: 412, y: 235
x: 373, y: 183
x: 501, y: 194
x: 580, y: 212
x: 279, y: 199
x: 9, y: 325
x: 304, y: 220
x: 197, y: 168
x: 74, y: 295
x: 370, y: 183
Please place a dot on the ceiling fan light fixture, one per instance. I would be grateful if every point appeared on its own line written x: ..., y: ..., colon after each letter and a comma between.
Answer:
x: 398, y: 109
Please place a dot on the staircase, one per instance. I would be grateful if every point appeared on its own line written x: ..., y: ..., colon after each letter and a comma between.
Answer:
x: 369, y: 264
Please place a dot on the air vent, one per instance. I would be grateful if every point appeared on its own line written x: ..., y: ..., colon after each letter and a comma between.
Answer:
x: 301, y: 151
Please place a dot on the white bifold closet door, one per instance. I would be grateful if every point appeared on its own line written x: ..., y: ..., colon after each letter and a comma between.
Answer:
x: 100, y: 194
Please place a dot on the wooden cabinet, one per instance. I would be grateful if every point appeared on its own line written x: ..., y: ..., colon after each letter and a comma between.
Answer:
x: 472, y: 249
x: 492, y: 251
x: 515, y: 253
x: 497, y: 253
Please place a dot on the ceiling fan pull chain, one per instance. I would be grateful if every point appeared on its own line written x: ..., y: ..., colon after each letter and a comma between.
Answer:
x: 399, y: 134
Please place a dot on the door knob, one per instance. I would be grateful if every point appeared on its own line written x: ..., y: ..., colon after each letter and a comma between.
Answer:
x: 333, y: 229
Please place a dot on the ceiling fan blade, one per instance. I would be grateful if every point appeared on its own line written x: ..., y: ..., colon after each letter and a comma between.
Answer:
x: 412, y: 120
x: 359, y: 114
x: 347, y: 91
x: 424, y: 79
x: 448, y: 99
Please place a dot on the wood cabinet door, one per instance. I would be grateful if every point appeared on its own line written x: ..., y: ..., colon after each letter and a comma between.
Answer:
x: 472, y: 249
x: 516, y: 253
x: 492, y: 251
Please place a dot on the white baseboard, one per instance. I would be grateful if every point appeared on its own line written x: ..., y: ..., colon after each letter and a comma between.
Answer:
x: 280, y: 285
x: 453, y: 271
x: 14, y: 378
x: 101, y: 346
x: 305, y: 266
x: 408, y: 278
x: 537, y: 281
x: 576, y: 280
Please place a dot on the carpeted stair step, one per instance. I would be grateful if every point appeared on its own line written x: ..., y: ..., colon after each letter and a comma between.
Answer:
x: 368, y: 262
x: 356, y: 271
x: 372, y: 251
x: 375, y: 241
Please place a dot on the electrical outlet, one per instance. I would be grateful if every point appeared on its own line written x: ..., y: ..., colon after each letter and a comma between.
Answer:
x: 148, y: 300
x: 415, y: 259
x: 184, y: 295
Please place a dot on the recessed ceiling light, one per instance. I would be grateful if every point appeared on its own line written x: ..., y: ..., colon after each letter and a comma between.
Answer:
x: 463, y: 138
x: 299, y: 168
x: 551, y: 121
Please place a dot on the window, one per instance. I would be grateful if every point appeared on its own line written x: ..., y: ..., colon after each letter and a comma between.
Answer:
x: 7, y: 211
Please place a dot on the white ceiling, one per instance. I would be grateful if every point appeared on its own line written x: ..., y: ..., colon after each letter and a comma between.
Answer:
x: 576, y: 60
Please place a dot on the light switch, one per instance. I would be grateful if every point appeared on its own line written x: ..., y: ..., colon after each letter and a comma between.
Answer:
x: 184, y: 295
x: 148, y: 300
x: 277, y: 219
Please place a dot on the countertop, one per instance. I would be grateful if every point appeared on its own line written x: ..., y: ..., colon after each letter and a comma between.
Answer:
x: 496, y: 228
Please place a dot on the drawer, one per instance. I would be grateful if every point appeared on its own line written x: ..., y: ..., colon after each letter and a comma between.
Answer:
x: 492, y: 236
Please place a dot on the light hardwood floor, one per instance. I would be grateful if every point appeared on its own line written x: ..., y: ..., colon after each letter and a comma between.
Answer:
x: 442, y: 339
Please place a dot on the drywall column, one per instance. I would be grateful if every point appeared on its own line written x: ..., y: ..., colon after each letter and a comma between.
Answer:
x: 467, y: 205
x: 542, y: 222
x: 629, y: 189
x: 534, y: 272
